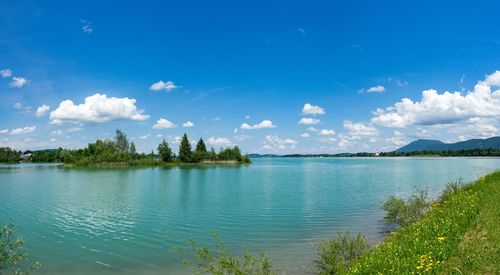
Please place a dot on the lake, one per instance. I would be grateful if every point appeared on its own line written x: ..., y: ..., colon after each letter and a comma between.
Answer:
x: 87, y: 221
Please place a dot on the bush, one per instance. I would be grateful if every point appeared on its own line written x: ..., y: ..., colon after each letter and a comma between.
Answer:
x: 11, y: 256
x: 451, y: 188
x: 407, y: 212
x: 218, y: 259
x: 335, y: 255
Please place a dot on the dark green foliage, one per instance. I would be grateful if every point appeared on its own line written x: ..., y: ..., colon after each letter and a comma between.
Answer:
x: 200, y: 153
x: 212, y: 155
x: 12, y: 258
x: 218, y: 260
x: 121, y: 142
x: 121, y: 152
x: 185, y: 149
x: 165, y: 152
x: 133, y: 151
x: 46, y: 156
x: 8, y: 155
x: 200, y: 146
x: 407, y: 212
x: 335, y: 255
x: 230, y: 154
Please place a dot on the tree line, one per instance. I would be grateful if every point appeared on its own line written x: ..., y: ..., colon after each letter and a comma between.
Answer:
x: 122, y: 150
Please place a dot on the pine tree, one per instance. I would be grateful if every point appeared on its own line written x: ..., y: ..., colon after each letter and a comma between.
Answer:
x: 164, y: 151
x: 200, y: 146
x: 185, y: 149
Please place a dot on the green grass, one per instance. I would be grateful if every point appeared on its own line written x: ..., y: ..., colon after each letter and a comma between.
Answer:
x: 460, y: 234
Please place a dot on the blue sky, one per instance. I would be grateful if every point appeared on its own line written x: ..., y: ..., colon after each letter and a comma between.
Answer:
x: 242, y: 73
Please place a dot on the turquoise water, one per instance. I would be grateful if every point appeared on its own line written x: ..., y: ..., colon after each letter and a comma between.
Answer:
x: 86, y: 221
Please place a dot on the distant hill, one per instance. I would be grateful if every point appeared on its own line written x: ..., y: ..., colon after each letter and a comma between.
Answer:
x: 436, y: 145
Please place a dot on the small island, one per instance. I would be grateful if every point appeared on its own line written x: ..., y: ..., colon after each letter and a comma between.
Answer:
x: 121, y: 152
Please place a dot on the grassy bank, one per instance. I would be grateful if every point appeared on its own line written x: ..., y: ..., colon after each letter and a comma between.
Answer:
x: 460, y: 234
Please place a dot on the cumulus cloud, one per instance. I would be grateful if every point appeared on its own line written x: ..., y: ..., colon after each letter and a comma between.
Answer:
x: 42, y: 110
x: 18, y: 82
x: 309, y: 109
x: 305, y: 135
x: 25, y: 130
x: 163, y: 123
x: 273, y: 142
x: 187, y: 124
x: 446, y: 108
x: 98, y: 108
x: 265, y: 124
x: 359, y: 129
x: 166, y: 86
x: 326, y: 132
x: 309, y: 121
x: 6, y: 73
x: 4, y: 131
x: 219, y: 141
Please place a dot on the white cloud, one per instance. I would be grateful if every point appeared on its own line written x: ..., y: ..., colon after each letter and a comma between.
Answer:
x: 274, y: 142
x: 305, y: 135
x: 163, y: 123
x: 312, y: 129
x: 327, y: 140
x: 86, y: 26
x: 187, y: 124
x: 265, y: 124
x: 6, y: 73
x: 396, y: 141
x: 309, y: 109
x: 374, y: 89
x: 445, y: 108
x: 57, y: 132
x: 309, y: 121
x: 98, y: 108
x: 145, y: 136
x: 4, y: 131
x: 25, y: 130
x: 73, y: 129
x: 160, y: 85
x: 220, y: 141
x: 18, y: 82
x: 42, y: 110
x: 359, y: 129
x: 18, y: 105
x: 60, y: 132
x: 247, y: 117
x: 326, y: 132
x: 216, y: 119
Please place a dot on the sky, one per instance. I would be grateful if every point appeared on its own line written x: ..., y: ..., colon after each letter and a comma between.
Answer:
x: 269, y: 76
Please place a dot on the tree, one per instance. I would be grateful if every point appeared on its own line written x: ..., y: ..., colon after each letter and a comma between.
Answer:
x: 121, y: 140
x: 164, y: 151
x: 12, y: 256
x: 185, y: 149
x: 200, y: 153
x: 133, y: 151
x: 200, y: 146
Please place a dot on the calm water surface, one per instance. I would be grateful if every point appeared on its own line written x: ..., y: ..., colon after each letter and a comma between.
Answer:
x: 86, y: 221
